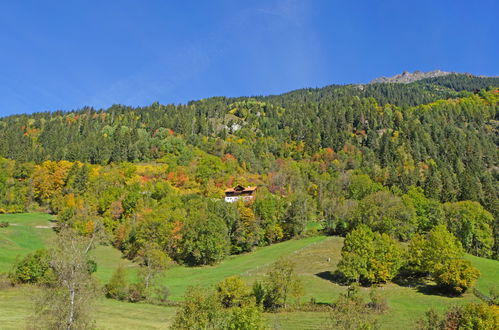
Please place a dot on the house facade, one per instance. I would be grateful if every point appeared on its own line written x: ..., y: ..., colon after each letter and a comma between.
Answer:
x: 239, y: 192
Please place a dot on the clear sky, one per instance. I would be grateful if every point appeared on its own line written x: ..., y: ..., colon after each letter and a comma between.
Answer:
x: 66, y: 54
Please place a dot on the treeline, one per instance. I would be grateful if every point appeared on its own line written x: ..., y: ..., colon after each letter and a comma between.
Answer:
x: 463, y: 82
x: 403, y: 95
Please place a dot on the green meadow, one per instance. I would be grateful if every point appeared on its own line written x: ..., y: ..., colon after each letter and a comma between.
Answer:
x: 26, y: 232
x: 315, y: 259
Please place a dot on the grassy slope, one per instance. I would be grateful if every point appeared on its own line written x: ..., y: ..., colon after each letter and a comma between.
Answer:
x: 110, y: 314
x: 29, y: 232
x: 489, y: 270
x: 310, y: 255
x: 16, y: 303
x: 181, y: 277
x: 407, y: 304
x: 22, y: 236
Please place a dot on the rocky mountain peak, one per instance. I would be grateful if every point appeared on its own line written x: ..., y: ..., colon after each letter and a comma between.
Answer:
x: 408, y: 77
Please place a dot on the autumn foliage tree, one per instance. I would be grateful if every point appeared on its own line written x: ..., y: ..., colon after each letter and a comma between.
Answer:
x: 369, y: 257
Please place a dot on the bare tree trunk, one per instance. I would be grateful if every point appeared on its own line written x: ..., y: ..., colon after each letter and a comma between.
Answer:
x: 71, y: 309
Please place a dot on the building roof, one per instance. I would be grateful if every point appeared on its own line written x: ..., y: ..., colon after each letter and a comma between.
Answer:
x: 239, y: 189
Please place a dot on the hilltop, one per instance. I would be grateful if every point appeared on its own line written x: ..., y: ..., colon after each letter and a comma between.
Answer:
x: 408, y: 77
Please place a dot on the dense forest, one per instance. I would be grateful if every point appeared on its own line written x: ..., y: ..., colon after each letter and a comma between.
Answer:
x: 400, y: 159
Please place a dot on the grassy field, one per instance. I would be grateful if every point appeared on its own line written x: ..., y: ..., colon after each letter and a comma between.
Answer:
x: 31, y: 231
x: 407, y: 304
x: 26, y: 233
x: 315, y: 259
x: 16, y: 304
x: 179, y: 278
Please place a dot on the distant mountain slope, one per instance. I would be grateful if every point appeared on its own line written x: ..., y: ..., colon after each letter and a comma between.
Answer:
x: 423, y: 134
x: 425, y: 90
x: 462, y: 82
x: 408, y: 77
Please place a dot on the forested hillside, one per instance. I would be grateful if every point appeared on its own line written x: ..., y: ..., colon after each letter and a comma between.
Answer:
x: 399, y: 158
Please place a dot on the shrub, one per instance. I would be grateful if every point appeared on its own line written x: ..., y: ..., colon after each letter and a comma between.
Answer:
x: 478, y: 316
x: 350, y: 312
x: 159, y: 294
x: 280, y: 284
x: 200, y: 310
x: 92, y: 266
x: 117, y: 287
x: 494, y: 294
x: 4, y: 224
x: 233, y: 291
x: 471, y: 316
x: 33, y: 268
x: 258, y: 291
x: 457, y: 275
x: 247, y: 317
x: 378, y: 302
x: 136, y: 292
x: 203, y: 309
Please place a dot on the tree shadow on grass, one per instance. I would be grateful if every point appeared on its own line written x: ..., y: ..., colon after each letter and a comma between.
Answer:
x: 432, y: 290
x: 422, y: 285
x: 334, y: 277
x: 410, y: 281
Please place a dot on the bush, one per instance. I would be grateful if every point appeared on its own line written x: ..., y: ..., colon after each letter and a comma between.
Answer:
x: 159, y: 294
x: 117, y: 287
x: 247, y: 317
x: 4, y: 224
x: 471, y: 316
x: 280, y: 284
x: 478, y: 316
x: 457, y: 275
x: 378, y: 302
x: 33, y: 268
x: 258, y: 291
x: 203, y: 309
x: 233, y: 291
x: 351, y: 312
x: 91, y: 266
x: 494, y: 294
x: 136, y: 292
x: 200, y: 310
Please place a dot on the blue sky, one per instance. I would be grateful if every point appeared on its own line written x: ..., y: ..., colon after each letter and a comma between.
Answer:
x: 68, y: 54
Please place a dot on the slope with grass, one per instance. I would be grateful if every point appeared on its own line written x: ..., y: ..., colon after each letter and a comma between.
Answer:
x: 16, y: 305
x: 179, y: 278
x: 407, y: 302
x: 315, y: 258
x: 28, y: 232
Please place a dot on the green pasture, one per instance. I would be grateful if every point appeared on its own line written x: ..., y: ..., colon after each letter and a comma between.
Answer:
x: 315, y: 259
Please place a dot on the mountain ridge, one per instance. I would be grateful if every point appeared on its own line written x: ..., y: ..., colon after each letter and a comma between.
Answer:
x: 408, y: 77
